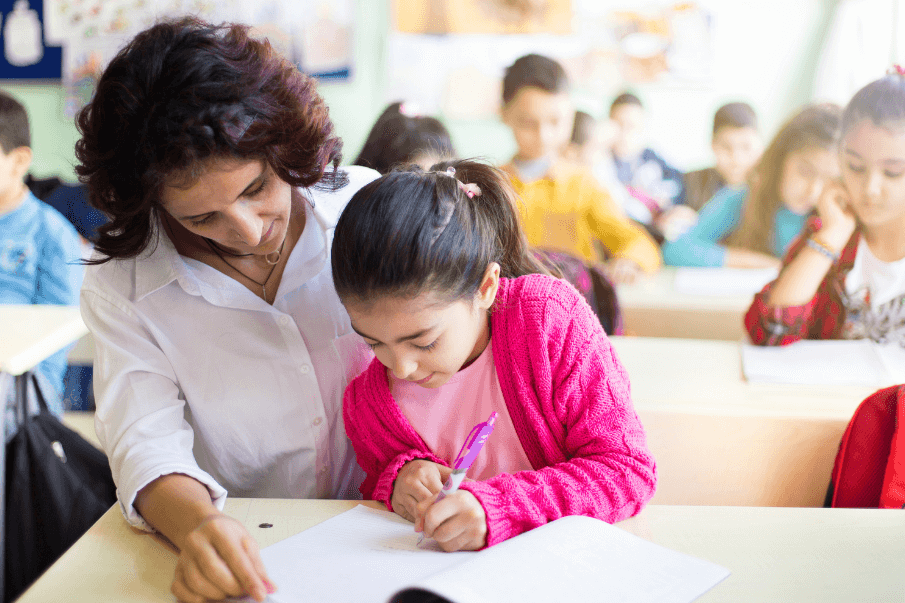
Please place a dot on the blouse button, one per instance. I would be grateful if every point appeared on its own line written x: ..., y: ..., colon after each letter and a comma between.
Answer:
x: 317, y: 421
x: 284, y: 320
x: 305, y: 369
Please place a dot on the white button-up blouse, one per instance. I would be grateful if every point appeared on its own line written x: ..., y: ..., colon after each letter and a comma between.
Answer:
x: 195, y: 374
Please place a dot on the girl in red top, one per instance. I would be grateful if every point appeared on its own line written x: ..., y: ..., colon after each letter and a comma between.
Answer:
x: 845, y: 276
x: 437, y: 277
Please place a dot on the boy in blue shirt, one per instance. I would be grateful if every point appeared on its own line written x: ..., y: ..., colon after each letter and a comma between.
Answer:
x: 39, y: 249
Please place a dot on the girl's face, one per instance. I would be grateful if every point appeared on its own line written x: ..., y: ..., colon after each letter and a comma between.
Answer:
x: 873, y: 169
x: 426, y: 340
x: 804, y: 174
x: 240, y: 204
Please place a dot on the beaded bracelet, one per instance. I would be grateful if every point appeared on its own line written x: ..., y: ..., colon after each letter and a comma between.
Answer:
x: 816, y: 244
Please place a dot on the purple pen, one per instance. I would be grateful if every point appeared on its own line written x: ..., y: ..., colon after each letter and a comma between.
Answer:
x: 467, y: 454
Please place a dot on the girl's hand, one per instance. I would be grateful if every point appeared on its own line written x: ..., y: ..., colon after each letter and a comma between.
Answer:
x: 418, y: 481
x: 457, y: 523
x: 836, y: 216
x: 220, y: 559
x: 622, y: 271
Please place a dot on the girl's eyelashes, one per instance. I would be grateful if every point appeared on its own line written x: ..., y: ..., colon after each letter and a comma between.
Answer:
x: 856, y: 168
x: 373, y: 345
x: 889, y: 174
x: 428, y: 347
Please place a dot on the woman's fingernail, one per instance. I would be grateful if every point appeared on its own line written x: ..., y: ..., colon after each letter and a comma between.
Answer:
x: 270, y: 587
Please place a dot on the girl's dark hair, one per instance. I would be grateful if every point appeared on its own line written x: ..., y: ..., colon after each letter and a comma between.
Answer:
x: 397, y: 138
x: 410, y: 232
x: 815, y: 126
x: 183, y: 92
x: 534, y: 71
x: 882, y: 101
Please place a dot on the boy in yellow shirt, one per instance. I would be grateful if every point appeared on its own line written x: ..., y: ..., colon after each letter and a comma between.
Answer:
x: 563, y: 206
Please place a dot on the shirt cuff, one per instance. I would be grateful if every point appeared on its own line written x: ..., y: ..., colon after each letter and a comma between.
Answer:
x: 130, y: 489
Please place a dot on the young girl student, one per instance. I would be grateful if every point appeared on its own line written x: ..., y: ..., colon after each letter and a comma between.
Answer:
x: 437, y: 277
x: 401, y: 135
x: 753, y: 227
x: 845, y: 276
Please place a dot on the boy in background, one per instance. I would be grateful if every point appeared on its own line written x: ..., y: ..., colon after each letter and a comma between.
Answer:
x: 39, y: 249
x: 563, y: 206
x: 648, y: 177
x: 737, y: 146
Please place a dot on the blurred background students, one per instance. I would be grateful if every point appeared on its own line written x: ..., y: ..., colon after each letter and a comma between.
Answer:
x: 736, y: 146
x: 753, y: 227
x: 564, y: 207
x: 647, y: 175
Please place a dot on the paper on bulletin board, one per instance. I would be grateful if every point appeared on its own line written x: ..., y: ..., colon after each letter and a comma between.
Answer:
x: 441, y: 58
x: 318, y: 35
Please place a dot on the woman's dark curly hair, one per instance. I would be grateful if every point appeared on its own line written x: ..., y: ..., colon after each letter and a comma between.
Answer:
x: 183, y: 92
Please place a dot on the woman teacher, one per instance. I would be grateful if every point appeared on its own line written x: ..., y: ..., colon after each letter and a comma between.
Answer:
x: 222, y: 350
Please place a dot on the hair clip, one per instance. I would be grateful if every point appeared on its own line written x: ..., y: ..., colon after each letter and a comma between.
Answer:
x: 896, y: 70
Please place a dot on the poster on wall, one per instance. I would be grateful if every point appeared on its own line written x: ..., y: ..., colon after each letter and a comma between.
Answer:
x: 315, y: 34
x: 449, y: 58
x: 27, y: 53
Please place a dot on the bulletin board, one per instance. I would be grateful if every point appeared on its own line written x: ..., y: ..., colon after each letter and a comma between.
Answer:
x: 26, y: 54
x: 318, y: 35
x: 448, y: 56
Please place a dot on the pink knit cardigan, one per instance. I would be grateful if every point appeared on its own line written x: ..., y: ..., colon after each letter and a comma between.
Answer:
x: 569, y: 400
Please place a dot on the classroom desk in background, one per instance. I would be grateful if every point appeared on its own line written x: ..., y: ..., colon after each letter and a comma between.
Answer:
x: 652, y: 307
x: 29, y: 334
x: 719, y: 440
x: 775, y: 554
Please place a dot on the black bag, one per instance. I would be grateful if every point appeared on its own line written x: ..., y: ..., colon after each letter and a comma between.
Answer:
x: 57, y: 486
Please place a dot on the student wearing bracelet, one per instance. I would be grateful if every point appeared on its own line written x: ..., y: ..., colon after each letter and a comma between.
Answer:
x: 753, y: 227
x: 845, y: 277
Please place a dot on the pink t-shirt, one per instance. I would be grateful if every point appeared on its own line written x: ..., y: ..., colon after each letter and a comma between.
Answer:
x: 444, y: 416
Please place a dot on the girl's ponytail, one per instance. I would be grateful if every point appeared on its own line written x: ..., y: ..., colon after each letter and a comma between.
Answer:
x: 496, y: 208
x: 413, y: 231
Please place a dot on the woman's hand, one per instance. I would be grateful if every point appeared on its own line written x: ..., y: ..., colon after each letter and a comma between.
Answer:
x: 836, y: 216
x: 220, y: 559
x: 418, y: 481
x: 457, y: 523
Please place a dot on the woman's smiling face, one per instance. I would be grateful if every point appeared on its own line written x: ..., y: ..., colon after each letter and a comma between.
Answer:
x: 240, y: 204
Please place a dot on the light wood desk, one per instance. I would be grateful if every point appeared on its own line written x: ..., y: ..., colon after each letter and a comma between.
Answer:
x: 719, y: 440
x: 789, y: 555
x: 29, y: 334
x: 652, y: 307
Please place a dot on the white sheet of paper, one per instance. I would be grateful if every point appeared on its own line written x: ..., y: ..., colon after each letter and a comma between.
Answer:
x: 578, y: 559
x: 832, y: 362
x: 719, y: 282
x: 367, y: 556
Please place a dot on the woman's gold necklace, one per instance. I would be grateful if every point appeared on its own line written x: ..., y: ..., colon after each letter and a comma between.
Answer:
x: 267, y: 258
